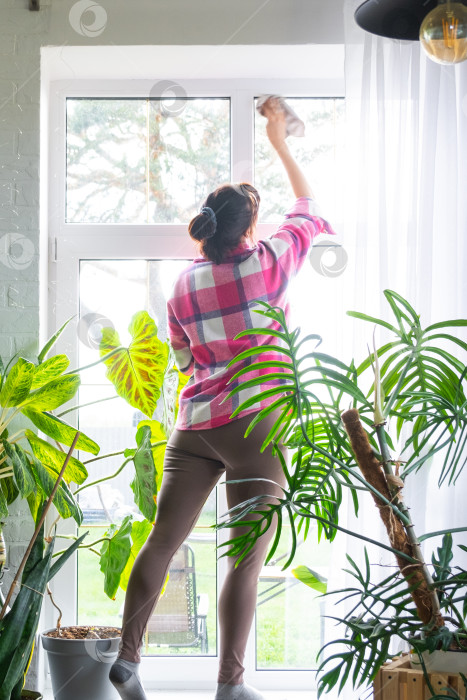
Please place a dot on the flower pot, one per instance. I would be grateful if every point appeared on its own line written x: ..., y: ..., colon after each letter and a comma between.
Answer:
x: 30, y: 695
x: 79, y: 668
x: 441, y: 661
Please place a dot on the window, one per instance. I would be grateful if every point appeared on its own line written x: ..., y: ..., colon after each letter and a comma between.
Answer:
x: 129, y: 172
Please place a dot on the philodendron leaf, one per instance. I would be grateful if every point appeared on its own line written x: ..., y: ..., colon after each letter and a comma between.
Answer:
x: 59, y: 430
x: 144, y: 484
x: 53, y: 459
x: 48, y: 370
x: 442, y: 562
x: 53, y: 394
x: 139, y: 534
x: 158, y: 435
x: 18, y: 383
x: 310, y: 578
x: 137, y: 372
x: 114, y: 555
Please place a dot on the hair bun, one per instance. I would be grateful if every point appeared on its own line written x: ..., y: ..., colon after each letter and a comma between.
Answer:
x: 210, y: 213
x: 204, y: 225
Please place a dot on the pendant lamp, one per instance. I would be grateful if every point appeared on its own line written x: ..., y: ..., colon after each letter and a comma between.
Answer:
x: 441, y: 25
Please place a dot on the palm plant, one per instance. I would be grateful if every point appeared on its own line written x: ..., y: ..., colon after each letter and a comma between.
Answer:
x: 418, y: 410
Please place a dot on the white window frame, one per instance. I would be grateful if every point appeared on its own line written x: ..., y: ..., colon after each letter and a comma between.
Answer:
x: 69, y: 243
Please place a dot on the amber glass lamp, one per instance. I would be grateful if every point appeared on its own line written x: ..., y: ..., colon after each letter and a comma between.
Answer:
x: 443, y: 33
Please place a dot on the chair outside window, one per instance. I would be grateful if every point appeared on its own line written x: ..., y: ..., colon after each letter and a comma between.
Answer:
x: 179, y: 618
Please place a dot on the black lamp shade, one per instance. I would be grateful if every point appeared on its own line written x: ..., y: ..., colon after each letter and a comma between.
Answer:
x: 395, y: 19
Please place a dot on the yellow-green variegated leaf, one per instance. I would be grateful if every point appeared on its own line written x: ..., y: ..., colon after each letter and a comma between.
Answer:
x: 22, y: 472
x: 17, y: 385
x: 50, y: 369
x: 310, y: 578
x: 64, y: 500
x: 53, y: 460
x: 53, y: 394
x: 58, y: 430
x: 137, y: 372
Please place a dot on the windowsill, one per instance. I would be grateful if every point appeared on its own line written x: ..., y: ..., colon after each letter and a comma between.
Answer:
x: 208, y: 695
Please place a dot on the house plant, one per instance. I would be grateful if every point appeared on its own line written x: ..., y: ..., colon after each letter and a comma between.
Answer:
x: 33, y: 469
x: 418, y: 413
x: 18, y: 624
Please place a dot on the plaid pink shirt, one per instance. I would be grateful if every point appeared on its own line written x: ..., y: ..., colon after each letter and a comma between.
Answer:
x: 211, y: 303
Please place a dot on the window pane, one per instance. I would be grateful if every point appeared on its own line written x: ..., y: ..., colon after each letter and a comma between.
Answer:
x: 106, y: 161
x: 189, y: 148
x: 123, y: 287
x: 289, y: 629
x: 319, y: 153
x: 144, y: 161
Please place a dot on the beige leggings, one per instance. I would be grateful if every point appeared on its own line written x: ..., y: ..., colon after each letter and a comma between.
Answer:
x: 194, y: 461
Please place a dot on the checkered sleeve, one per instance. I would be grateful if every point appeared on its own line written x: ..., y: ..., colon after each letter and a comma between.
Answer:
x: 294, y: 238
x: 180, y: 343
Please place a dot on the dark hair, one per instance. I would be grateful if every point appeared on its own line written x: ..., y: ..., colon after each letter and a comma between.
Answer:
x: 228, y: 214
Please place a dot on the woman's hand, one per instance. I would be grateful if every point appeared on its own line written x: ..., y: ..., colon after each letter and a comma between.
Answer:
x: 276, y: 127
x: 277, y: 132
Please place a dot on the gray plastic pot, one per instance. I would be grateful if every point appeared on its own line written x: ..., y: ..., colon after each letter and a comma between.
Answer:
x: 79, y: 668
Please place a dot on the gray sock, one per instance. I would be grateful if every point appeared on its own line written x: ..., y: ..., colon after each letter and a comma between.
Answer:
x: 237, y: 692
x: 124, y: 677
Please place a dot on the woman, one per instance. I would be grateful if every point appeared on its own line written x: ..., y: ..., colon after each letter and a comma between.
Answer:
x: 211, y: 303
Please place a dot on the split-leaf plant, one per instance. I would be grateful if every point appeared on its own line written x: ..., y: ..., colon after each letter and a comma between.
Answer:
x: 345, y: 438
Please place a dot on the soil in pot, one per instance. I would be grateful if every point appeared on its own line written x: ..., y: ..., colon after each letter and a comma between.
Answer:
x: 30, y: 695
x: 84, y: 632
x: 80, y: 659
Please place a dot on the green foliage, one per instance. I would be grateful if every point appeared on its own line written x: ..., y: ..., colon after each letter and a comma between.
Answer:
x: 115, y: 553
x: 18, y: 626
x: 422, y: 389
x: 310, y: 578
x: 137, y: 372
x: 144, y: 484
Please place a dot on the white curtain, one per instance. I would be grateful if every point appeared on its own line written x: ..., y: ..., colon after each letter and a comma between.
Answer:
x: 406, y: 220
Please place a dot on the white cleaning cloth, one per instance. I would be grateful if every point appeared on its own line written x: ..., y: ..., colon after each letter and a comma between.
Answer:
x: 295, y: 126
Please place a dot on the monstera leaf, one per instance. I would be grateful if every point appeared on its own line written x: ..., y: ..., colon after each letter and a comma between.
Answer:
x: 137, y: 372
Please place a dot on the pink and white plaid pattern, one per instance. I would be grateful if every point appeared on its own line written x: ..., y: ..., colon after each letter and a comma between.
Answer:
x: 211, y: 304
